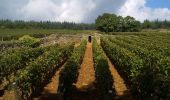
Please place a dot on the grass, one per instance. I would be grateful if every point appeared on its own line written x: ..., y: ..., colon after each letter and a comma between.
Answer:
x: 13, y: 34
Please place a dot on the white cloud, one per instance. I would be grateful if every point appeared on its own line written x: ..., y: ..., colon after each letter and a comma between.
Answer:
x: 68, y: 10
x: 138, y: 9
x: 39, y: 10
x: 75, y: 10
x: 78, y: 10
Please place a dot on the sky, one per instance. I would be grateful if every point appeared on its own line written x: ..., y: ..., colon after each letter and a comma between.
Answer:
x: 82, y: 11
x: 158, y: 3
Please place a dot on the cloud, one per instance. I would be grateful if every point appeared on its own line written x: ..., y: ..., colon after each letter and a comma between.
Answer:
x: 39, y: 10
x: 8, y: 8
x: 68, y: 10
x: 139, y: 10
x: 78, y: 10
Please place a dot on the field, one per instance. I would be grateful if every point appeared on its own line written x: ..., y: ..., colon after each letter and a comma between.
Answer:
x: 9, y: 37
x: 64, y: 65
x: 144, y: 60
x: 14, y: 34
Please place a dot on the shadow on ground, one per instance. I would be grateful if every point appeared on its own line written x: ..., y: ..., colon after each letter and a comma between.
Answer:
x: 88, y: 92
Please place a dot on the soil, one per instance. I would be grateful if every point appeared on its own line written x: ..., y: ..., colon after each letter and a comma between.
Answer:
x: 122, y: 92
x: 85, y: 87
x: 60, y: 39
x: 9, y: 95
x: 86, y: 73
x: 50, y: 90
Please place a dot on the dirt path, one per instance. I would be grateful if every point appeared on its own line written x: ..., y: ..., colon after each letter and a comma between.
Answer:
x: 122, y: 92
x: 86, y: 74
x: 85, y: 88
x: 50, y: 90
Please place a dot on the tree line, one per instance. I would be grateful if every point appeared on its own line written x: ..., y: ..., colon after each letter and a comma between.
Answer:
x: 105, y: 23
x: 113, y: 23
x: 156, y: 24
x: 10, y: 24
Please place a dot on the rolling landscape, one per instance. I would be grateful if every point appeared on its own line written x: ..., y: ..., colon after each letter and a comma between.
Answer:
x: 84, y: 50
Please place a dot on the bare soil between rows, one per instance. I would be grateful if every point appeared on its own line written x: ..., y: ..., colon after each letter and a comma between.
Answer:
x: 85, y: 87
x: 122, y: 91
x: 50, y: 90
x: 86, y: 73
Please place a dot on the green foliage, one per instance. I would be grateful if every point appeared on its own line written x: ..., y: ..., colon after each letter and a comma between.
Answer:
x: 155, y: 42
x: 39, y: 71
x: 131, y: 25
x: 13, y: 60
x: 103, y: 74
x: 106, y: 22
x: 112, y: 23
x: 145, y: 67
x: 69, y: 73
x: 146, y: 24
x: 19, y: 24
x: 156, y: 24
x: 127, y: 62
x: 15, y: 34
x: 29, y: 41
x: 4, y: 45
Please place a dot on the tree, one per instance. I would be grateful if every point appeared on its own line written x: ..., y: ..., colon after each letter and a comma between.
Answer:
x: 20, y: 24
x: 156, y: 24
x: 131, y: 25
x: 120, y: 24
x: 107, y: 22
x: 112, y: 23
x: 146, y: 24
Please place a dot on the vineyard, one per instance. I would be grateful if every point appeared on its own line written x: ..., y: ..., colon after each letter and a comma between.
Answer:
x: 121, y: 66
x: 144, y: 60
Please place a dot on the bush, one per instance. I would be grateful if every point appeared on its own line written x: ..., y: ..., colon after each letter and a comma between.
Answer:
x: 103, y: 74
x: 146, y: 71
x: 38, y: 72
x: 29, y: 41
x: 69, y: 73
x: 13, y: 60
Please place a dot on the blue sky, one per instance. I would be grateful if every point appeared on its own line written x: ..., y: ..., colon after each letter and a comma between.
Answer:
x: 83, y: 10
x: 158, y: 3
